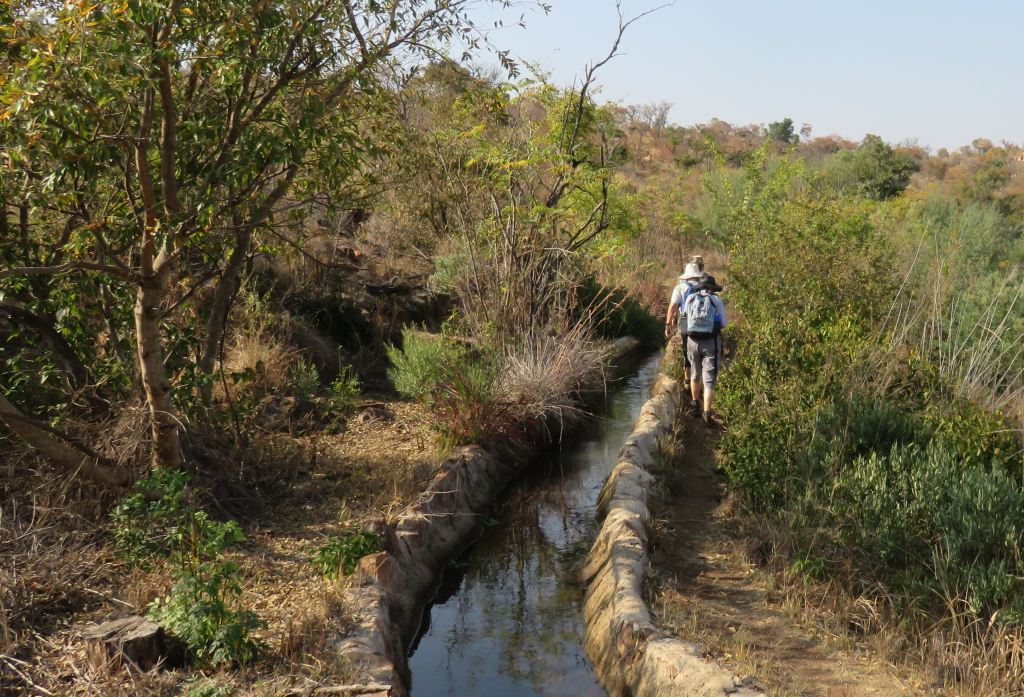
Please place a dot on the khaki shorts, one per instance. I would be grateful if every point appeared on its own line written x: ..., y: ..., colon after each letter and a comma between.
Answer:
x: 704, y: 356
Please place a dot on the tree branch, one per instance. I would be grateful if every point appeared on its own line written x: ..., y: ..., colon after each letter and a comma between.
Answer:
x: 68, y: 267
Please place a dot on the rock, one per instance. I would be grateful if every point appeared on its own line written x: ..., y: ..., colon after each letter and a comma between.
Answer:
x: 134, y: 640
x: 375, y: 413
x: 288, y: 413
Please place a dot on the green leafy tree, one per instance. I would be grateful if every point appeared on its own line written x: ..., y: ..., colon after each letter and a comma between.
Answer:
x: 880, y: 171
x: 147, y: 141
x: 782, y: 132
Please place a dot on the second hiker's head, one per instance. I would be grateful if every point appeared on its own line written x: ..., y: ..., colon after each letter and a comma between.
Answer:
x: 709, y: 284
x: 698, y: 260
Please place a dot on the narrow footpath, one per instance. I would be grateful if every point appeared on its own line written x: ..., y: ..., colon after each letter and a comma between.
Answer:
x: 705, y: 589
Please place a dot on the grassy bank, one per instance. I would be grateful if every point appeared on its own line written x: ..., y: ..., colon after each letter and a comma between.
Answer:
x: 874, y: 410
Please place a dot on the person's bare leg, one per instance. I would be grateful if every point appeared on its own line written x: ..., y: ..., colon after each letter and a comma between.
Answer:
x: 695, y: 389
x: 709, y: 392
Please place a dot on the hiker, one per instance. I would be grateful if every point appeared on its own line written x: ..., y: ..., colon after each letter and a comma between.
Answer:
x: 687, y: 282
x: 705, y: 318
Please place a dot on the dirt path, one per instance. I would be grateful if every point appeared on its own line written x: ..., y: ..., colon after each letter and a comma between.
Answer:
x: 706, y: 590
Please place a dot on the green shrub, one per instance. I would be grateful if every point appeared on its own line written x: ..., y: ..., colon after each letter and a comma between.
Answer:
x: 341, y: 555
x: 461, y: 386
x: 807, y: 564
x: 157, y: 522
x: 448, y: 270
x: 979, y: 437
x: 469, y: 407
x: 420, y: 366
x: 756, y: 452
x: 344, y: 394
x: 857, y: 425
x: 924, y: 508
x: 304, y: 379
x: 146, y: 521
x: 202, y: 610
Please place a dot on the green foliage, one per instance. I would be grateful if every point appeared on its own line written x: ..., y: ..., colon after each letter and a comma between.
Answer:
x: 420, y: 367
x: 344, y: 394
x: 148, y: 521
x: 156, y: 521
x: 341, y: 555
x: 782, y: 132
x: 809, y: 565
x: 203, y: 611
x: 879, y: 171
x: 449, y: 272
x: 984, y: 184
x: 886, y: 473
x: 757, y: 451
x: 206, y: 687
x: 304, y: 379
x: 925, y: 507
x: 615, y: 313
x: 469, y: 406
x: 239, y: 109
x: 459, y: 384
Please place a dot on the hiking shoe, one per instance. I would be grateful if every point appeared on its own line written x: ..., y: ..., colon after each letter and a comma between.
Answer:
x: 694, y: 407
x: 711, y: 420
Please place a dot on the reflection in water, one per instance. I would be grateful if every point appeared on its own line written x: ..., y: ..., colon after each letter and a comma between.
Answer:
x: 508, y: 619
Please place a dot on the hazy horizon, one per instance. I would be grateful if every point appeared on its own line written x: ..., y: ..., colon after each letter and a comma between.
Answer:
x: 938, y: 74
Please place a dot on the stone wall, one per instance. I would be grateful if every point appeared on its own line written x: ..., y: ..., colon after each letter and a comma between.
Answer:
x: 631, y: 655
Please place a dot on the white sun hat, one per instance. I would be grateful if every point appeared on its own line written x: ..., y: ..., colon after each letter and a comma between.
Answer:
x: 691, y: 273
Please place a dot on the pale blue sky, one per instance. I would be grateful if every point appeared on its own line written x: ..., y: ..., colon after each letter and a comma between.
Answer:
x: 940, y: 72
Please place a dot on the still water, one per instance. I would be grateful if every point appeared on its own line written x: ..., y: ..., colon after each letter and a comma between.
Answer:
x: 508, y: 618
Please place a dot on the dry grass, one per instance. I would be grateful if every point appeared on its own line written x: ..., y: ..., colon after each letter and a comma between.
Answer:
x: 544, y: 375
x: 59, y: 573
x: 969, y: 656
x: 980, y: 355
x: 262, y: 352
x: 737, y: 648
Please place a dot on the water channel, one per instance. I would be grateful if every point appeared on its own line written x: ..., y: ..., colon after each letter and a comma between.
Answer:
x: 508, y: 618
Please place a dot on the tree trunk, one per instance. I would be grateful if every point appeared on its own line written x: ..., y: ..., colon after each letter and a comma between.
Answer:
x: 228, y: 285
x: 135, y: 641
x: 226, y: 289
x: 163, y: 421
x: 59, y: 452
x: 157, y: 270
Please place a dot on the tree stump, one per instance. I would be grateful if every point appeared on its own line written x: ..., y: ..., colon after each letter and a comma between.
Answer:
x: 134, y: 641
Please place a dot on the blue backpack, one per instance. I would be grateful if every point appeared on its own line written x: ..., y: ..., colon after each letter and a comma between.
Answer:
x: 701, y: 315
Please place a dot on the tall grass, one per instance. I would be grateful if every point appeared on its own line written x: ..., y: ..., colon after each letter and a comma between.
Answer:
x: 546, y: 375
x: 485, y: 394
x: 970, y: 323
x: 959, y: 300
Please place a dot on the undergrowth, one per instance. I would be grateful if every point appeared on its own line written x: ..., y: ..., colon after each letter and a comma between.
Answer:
x: 341, y: 555
x: 856, y: 421
x: 157, y: 523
